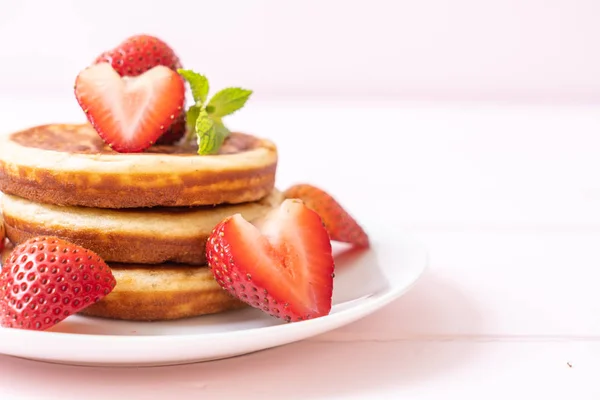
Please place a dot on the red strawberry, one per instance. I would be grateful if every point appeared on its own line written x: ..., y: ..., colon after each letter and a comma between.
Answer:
x: 130, y: 113
x: 282, y: 264
x: 138, y: 54
x: 46, y: 279
x: 339, y: 223
x: 175, y: 132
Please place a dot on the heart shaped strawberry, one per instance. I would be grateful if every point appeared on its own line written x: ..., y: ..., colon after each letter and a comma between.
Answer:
x: 281, y: 264
x: 130, y: 113
x: 136, y: 55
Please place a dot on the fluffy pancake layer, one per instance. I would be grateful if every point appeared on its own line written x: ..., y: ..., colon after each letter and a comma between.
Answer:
x: 146, y: 236
x: 160, y: 292
x: 70, y: 165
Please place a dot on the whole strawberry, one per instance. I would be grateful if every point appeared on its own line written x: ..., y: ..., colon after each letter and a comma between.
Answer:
x: 136, y: 55
x: 47, y: 279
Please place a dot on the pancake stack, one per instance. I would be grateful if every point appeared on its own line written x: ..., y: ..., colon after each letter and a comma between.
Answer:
x: 148, y: 215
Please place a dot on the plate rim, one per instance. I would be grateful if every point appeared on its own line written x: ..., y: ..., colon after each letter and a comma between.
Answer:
x: 374, y: 302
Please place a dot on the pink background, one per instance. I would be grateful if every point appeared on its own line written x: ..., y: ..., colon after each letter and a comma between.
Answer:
x: 519, y: 50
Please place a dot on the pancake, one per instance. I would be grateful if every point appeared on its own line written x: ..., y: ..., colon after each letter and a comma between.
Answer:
x: 71, y: 165
x: 147, y: 236
x: 158, y: 293
x: 167, y: 292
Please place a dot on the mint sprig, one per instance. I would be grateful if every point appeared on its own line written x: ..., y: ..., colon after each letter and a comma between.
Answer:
x: 228, y: 101
x: 204, y: 118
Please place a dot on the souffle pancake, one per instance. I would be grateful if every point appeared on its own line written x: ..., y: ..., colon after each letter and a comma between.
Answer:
x: 69, y: 164
x: 140, y: 235
x: 159, y: 292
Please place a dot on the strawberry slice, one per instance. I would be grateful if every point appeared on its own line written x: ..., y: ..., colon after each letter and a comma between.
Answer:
x: 136, y: 55
x: 130, y: 113
x: 283, y: 264
x: 342, y: 227
x: 47, y: 279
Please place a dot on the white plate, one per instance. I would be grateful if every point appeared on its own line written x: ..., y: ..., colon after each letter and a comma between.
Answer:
x: 365, y: 281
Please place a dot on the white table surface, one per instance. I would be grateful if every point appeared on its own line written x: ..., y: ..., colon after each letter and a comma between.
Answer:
x: 507, y: 200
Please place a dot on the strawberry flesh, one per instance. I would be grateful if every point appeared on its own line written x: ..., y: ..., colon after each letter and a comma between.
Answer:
x: 281, y: 264
x: 340, y: 225
x: 138, y: 54
x: 130, y: 113
x: 46, y: 279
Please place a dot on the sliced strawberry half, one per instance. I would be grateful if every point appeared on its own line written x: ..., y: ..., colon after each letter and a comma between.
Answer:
x: 281, y: 264
x: 342, y: 227
x: 44, y: 280
x: 136, y: 55
x: 130, y: 113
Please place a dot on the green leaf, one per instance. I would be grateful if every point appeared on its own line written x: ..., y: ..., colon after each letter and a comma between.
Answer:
x: 211, y: 134
x: 204, y: 120
x: 191, y: 117
x: 228, y: 101
x: 205, y: 132
x: 198, y: 84
x: 221, y: 130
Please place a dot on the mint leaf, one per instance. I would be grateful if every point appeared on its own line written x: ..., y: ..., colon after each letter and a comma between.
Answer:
x: 221, y: 130
x: 210, y: 134
x: 198, y: 84
x: 205, y: 120
x: 191, y: 117
x: 205, y: 132
x: 228, y: 101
